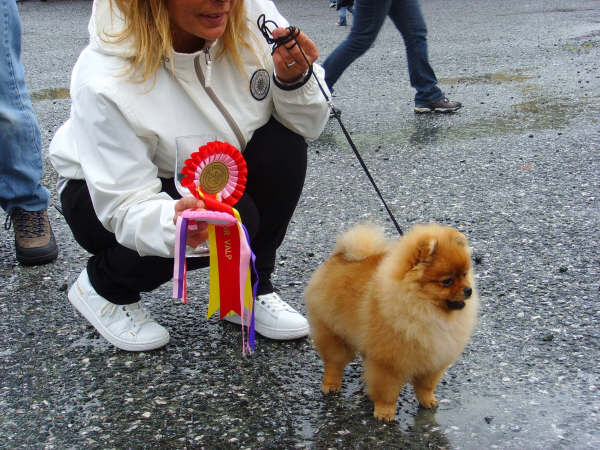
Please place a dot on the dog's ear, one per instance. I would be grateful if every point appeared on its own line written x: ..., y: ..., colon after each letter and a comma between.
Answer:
x: 413, y: 251
x: 461, y: 240
x: 425, y: 250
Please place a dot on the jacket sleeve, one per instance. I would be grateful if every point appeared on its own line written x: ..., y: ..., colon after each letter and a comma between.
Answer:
x: 303, y: 110
x: 121, y: 177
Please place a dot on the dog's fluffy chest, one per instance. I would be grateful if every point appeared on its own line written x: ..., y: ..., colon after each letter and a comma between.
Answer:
x: 418, y: 343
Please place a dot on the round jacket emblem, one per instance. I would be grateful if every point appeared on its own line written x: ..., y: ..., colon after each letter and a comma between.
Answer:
x: 259, y: 84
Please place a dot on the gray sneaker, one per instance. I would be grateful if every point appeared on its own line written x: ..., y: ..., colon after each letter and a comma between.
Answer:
x: 443, y: 105
x: 34, y: 240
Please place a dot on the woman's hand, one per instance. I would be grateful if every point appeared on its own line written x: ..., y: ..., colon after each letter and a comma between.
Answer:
x: 289, y: 62
x: 200, y: 234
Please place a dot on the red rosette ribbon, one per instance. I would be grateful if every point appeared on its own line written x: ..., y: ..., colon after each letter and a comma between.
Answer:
x: 216, y: 171
x: 216, y: 174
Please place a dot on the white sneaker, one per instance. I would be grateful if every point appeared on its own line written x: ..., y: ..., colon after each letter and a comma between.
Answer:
x: 128, y: 327
x: 275, y: 319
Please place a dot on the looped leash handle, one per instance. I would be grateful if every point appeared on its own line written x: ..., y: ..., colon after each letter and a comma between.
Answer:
x: 263, y: 23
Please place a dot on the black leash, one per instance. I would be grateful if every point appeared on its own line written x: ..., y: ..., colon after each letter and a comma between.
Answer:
x: 262, y: 23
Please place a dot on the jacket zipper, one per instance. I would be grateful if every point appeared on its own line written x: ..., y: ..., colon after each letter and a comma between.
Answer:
x: 205, y: 82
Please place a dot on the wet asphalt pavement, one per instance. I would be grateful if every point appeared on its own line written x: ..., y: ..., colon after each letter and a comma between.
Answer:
x: 517, y: 170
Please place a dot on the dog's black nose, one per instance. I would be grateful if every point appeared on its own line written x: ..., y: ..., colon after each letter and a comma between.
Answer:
x: 468, y: 291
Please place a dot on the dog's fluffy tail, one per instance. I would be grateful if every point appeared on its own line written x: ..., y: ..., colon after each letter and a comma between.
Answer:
x: 360, y: 242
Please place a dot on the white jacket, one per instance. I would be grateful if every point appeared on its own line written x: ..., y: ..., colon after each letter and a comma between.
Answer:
x: 120, y: 136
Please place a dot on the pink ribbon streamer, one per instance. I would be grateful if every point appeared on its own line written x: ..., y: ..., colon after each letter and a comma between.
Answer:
x: 247, y: 260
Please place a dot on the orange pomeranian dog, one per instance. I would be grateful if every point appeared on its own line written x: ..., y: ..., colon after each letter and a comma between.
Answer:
x: 407, y: 307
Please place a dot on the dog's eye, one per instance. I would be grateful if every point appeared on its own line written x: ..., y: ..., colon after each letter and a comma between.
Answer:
x: 447, y: 282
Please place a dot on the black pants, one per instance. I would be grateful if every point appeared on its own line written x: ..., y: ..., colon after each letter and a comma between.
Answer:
x: 276, y: 160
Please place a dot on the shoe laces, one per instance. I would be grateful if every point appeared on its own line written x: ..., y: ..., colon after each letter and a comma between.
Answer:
x: 108, y: 309
x: 27, y: 224
x: 136, y: 314
x: 273, y: 303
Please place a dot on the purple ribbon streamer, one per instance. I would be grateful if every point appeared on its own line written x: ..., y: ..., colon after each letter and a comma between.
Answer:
x: 251, y: 332
x: 180, y: 258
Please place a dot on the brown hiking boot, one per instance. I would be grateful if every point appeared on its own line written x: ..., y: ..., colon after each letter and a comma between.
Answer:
x: 34, y: 240
x: 443, y: 105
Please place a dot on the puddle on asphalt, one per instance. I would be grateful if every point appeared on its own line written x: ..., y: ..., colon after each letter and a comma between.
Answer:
x: 579, y: 47
x: 346, y: 420
x: 513, y: 419
x: 50, y: 94
x: 535, y: 114
x: 547, y: 11
x: 518, y: 75
x: 463, y: 420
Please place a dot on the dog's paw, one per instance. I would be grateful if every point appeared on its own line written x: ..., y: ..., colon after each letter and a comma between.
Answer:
x: 385, y: 413
x: 332, y: 381
x: 331, y: 388
x: 428, y: 401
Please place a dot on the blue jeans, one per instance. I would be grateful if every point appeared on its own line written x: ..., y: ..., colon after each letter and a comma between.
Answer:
x: 342, y: 15
x: 369, y: 16
x: 20, y: 141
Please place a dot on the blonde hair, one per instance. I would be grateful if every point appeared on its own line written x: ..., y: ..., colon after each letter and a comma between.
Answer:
x: 147, y: 23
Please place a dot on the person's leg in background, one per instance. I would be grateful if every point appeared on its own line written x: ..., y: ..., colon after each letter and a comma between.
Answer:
x: 21, y: 195
x: 342, y: 21
x: 408, y: 19
x: 369, y: 16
